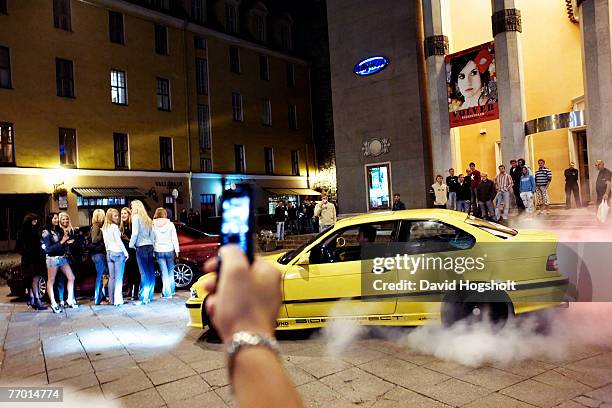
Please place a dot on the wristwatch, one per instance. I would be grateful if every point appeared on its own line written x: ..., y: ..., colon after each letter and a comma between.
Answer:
x: 243, y: 339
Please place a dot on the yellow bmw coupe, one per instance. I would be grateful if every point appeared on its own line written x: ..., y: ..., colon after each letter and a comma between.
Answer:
x: 404, y: 268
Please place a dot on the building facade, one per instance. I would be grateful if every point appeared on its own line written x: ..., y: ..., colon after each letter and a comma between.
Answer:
x: 108, y: 100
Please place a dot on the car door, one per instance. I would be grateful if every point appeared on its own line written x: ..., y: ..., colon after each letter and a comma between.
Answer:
x: 334, y: 271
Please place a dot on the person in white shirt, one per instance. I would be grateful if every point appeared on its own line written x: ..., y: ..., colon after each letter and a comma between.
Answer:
x: 440, y: 191
x: 116, y: 255
x: 166, y: 249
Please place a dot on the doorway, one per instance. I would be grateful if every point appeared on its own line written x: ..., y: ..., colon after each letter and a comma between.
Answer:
x: 583, y: 166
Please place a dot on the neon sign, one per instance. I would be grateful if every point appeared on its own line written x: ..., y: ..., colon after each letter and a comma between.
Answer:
x: 370, y: 66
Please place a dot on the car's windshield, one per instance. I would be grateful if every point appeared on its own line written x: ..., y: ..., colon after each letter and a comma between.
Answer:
x: 492, y: 227
x: 287, y: 257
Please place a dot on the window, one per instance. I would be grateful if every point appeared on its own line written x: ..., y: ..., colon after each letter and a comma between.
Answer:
x: 160, y: 4
x: 231, y: 18
x: 118, y: 87
x: 121, y: 150
x: 264, y: 68
x: 205, y: 165
x: 293, y: 125
x: 67, y: 147
x: 266, y: 107
x: 199, y: 43
x: 239, y: 158
x: 61, y: 15
x: 234, y: 55
x: 202, y: 76
x: 269, y: 159
x: 163, y: 94
x: 290, y: 75
x: 161, y: 40
x: 115, y: 27
x: 237, y: 107
x: 165, y: 153
x: 198, y: 13
x: 424, y: 236
x: 295, y: 163
x: 285, y: 33
x: 260, y: 28
x: 5, y: 68
x: 3, y: 7
x: 64, y: 76
x: 203, y: 126
x: 7, y: 144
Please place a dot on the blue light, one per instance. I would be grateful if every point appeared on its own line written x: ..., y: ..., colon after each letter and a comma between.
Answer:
x: 371, y: 65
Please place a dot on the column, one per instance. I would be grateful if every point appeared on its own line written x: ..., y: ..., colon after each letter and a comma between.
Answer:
x: 597, y: 70
x: 436, y: 47
x: 506, y: 22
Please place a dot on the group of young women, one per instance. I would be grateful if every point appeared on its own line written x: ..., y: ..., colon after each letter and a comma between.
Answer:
x: 125, y: 241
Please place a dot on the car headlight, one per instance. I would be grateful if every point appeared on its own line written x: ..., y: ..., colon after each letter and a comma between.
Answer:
x: 194, y: 293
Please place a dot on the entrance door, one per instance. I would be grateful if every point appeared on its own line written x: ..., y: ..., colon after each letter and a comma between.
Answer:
x: 583, y: 166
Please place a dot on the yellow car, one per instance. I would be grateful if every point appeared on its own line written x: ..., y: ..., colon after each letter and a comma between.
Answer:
x: 404, y: 268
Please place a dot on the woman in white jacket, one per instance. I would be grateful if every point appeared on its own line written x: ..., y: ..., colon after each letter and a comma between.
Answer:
x: 166, y: 249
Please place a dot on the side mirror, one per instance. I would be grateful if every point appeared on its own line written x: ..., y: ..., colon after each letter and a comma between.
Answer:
x: 304, y: 260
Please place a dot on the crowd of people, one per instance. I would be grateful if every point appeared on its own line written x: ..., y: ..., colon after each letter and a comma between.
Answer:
x: 120, y: 242
x: 475, y: 193
x: 307, y: 217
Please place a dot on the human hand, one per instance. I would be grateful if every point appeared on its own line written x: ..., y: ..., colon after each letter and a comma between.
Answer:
x: 70, y: 241
x: 605, y: 196
x: 64, y: 239
x: 244, y: 298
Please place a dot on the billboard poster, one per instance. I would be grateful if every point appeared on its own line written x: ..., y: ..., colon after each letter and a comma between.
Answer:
x: 379, y: 186
x: 472, y: 85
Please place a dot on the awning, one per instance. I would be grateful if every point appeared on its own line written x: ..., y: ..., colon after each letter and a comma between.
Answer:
x: 90, y: 192
x: 293, y: 191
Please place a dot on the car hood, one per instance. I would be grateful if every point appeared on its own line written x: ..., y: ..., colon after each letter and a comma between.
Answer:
x: 535, y: 236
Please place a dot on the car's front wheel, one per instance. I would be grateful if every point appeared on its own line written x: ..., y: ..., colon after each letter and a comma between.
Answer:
x: 183, y: 275
x: 42, y: 287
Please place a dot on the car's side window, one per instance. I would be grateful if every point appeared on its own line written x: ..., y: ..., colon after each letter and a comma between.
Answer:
x: 347, y: 244
x: 424, y: 236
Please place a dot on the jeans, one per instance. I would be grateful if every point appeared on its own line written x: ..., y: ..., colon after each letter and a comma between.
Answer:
x: 486, y: 209
x: 527, y: 198
x: 505, y: 197
x: 165, y: 260
x: 100, y: 261
x: 144, y: 257
x: 474, y: 201
x: 280, y: 230
x: 463, y: 205
x: 451, y: 204
x: 116, y: 266
x: 309, y: 228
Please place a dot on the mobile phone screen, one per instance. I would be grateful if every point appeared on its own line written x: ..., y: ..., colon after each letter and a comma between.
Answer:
x: 235, y: 221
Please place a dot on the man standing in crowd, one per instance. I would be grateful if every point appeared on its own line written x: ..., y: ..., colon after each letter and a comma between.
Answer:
x: 292, y: 215
x: 468, y: 181
x: 280, y: 216
x: 397, y: 203
x: 452, y: 182
x: 503, y: 185
x: 571, y: 186
x: 463, y: 194
x: 440, y: 192
x: 326, y: 213
x: 485, y: 192
x: 543, y: 177
x: 516, y: 173
x: 602, y: 185
x: 475, y: 180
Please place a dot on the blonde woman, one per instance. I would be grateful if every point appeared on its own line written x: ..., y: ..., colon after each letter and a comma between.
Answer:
x: 142, y: 240
x: 116, y: 255
x: 97, y: 252
x: 60, y: 282
x: 166, y: 249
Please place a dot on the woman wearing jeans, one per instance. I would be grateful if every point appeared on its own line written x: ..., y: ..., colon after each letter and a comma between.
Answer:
x: 97, y: 252
x: 166, y: 249
x: 142, y: 239
x: 116, y: 255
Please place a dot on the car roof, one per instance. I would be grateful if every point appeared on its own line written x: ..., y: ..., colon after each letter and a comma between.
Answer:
x: 427, y: 213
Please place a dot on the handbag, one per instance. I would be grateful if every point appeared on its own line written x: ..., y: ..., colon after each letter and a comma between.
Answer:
x: 602, y: 211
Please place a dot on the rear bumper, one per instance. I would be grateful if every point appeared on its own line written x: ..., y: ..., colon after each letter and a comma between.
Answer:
x: 194, y: 308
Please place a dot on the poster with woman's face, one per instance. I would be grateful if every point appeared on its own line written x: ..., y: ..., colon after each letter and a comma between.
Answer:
x: 472, y: 85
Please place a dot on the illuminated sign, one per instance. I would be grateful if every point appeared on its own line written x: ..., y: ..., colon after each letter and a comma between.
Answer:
x: 378, y: 179
x: 370, y: 66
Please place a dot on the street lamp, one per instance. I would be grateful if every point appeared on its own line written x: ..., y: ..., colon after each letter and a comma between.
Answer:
x: 175, y: 195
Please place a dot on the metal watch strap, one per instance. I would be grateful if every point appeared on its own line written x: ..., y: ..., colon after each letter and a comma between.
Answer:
x: 243, y: 339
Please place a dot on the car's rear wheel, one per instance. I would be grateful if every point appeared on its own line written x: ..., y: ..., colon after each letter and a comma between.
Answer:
x: 475, y: 308
x: 183, y: 275
x: 42, y: 287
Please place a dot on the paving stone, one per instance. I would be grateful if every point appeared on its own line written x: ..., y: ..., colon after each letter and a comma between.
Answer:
x: 126, y: 385
x: 319, y: 366
x: 402, y: 373
x: 317, y: 394
x: 225, y: 393
x: 401, y: 397
x: 526, y: 368
x: 76, y: 368
x: 536, y: 393
x: 112, y: 374
x: 357, y: 386
x: 216, y: 378
x: 568, y: 385
x: 212, y: 360
x: 166, y: 375
x: 587, y: 378
x: 360, y: 355
x: 149, y: 398
x: 490, y: 378
x: 450, y: 368
x: 603, y: 394
x: 587, y: 402
x: 297, y: 375
x: 209, y: 399
x: 187, y: 388
x: 78, y: 383
x: 113, y: 363
x: 497, y: 400
x: 454, y: 392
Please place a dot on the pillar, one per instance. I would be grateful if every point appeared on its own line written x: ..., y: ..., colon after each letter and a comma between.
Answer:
x: 506, y: 23
x: 597, y: 70
x: 436, y: 47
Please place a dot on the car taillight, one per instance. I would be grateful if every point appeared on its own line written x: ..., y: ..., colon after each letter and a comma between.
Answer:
x: 551, y: 263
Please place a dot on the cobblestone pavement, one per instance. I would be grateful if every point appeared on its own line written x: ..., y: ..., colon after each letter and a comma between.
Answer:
x: 146, y: 357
